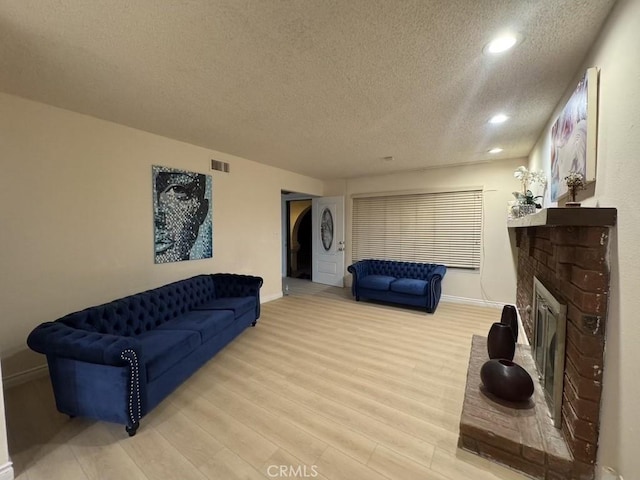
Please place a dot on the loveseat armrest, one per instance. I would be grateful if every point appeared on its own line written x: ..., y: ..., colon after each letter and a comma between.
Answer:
x: 236, y: 285
x: 438, y: 271
x: 434, y: 289
x: 58, y: 339
x: 359, y: 270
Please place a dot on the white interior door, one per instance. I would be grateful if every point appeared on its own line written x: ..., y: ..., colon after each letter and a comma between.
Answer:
x: 328, y: 240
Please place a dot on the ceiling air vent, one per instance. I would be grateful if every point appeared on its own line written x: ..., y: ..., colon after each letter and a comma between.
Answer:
x: 220, y: 166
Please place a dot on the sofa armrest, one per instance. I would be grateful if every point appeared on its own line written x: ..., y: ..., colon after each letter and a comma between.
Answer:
x: 434, y: 290
x: 235, y: 285
x: 63, y: 344
x: 58, y: 339
x: 359, y: 270
x: 438, y: 271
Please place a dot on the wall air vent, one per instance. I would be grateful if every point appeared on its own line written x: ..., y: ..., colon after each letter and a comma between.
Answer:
x: 220, y: 166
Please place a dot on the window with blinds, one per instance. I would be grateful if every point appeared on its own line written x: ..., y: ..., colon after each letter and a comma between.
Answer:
x: 443, y: 228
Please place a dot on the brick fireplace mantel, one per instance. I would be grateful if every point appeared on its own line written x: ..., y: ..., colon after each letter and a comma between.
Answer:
x: 567, y: 250
x: 567, y: 217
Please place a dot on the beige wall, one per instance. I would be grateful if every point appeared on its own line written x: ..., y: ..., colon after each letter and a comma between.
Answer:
x: 496, y: 280
x: 76, y: 215
x: 617, y: 179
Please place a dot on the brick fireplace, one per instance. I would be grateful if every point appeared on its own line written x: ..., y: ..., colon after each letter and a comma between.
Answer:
x: 567, y: 250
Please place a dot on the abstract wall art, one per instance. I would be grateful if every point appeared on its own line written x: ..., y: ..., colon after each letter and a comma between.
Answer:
x: 574, y: 136
x: 182, y: 219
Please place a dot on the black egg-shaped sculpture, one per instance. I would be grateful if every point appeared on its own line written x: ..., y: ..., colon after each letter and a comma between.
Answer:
x: 500, y: 341
x: 507, y: 380
x: 510, y: 317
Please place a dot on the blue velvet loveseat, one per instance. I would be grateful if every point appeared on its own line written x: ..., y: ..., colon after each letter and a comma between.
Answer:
x: 115, y: 362
x: 407, y: 283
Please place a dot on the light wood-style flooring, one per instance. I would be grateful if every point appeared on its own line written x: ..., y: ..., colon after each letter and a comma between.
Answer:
x: 324, y: 387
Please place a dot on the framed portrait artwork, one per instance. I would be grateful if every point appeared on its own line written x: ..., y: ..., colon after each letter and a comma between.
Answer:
x: 574, y: 136
x: 183, y: 227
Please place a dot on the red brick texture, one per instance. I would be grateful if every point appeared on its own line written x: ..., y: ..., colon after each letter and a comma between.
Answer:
x: 521, y: 436
x: 572, y: 264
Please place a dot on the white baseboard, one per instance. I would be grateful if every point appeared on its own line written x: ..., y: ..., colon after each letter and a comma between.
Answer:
x: 6, y: 471
x: 270, y: 298
x: 472, y: 301
x: 24, y: 377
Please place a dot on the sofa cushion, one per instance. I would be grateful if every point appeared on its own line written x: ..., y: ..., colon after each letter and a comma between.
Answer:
x: 239, y: 305
x: 376, y: 282
x: 410, y: 286
x: 162, y: 349
x: 208, y: 323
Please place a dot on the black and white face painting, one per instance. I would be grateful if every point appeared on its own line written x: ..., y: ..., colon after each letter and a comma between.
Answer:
x: 182, y: 215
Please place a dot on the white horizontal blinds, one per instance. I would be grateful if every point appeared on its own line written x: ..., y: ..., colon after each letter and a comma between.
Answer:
x: 441, y: 228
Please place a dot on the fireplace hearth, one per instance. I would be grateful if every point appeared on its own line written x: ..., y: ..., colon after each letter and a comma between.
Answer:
x: 519, y: 435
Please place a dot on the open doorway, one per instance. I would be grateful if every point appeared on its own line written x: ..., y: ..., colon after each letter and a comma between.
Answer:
x: 297, y: 238
x: 300, y: 239
x: 312, y: 240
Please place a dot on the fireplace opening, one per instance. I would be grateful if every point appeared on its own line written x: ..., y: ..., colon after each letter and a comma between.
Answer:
x: 548, y: 349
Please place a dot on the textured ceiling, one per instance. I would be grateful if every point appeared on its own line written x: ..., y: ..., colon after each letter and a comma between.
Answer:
x: 326, y: 88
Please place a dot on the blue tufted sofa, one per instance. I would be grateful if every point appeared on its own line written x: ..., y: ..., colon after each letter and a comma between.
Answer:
x: 115, y: 362
x: 408, y: 283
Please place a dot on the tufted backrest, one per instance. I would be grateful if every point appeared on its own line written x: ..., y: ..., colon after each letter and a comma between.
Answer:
x: 144, y: 311
x: 420, y: 271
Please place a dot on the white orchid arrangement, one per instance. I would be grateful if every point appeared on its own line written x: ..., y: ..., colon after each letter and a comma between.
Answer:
x: 528, y: 178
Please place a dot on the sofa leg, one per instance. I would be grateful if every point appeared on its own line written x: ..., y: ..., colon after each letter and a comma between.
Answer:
x: 254, y: 323
x: 131, y: 430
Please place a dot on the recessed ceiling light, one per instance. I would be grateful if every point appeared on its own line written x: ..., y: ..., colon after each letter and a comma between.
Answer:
x: 501, y: 44
x: 495, y: 150
x: 499, y: 118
